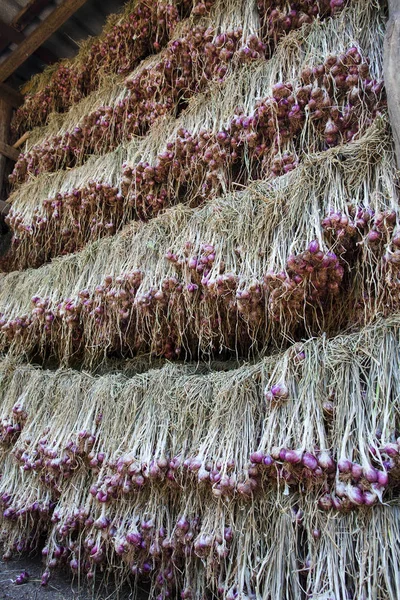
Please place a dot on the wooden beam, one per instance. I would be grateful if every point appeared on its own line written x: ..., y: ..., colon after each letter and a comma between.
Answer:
x: 5, y: 120
x: 11, y: 96
x: 22, y: 139
x: 8, y: 35
x: 32, y: 9
x: 31, y: 43
x: 9, y: 151
x: 392, y: 73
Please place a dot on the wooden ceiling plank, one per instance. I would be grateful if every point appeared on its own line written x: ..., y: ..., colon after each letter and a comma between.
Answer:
x: 32, y: 42
x: 8, y: 35
x: 32, y: 9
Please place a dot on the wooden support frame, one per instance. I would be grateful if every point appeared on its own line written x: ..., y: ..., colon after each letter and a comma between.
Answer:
x: 28, y: 12
x: 5, y: 150
x: 31, y: 43
x: 9, y: 35
x: 11, y: 96
x: 22, y: 139
x: 392, y: 73
x: 9, y: 151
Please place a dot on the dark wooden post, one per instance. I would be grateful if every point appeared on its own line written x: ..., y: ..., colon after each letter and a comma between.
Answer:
x: 5, y: 120
x: 60, y: 14
x: 392, y: 71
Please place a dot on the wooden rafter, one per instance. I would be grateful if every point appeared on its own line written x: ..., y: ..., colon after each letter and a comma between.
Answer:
x: 9, y: 35
x: 391, y: 71
x: 32, y: 9
x: 32, y: 42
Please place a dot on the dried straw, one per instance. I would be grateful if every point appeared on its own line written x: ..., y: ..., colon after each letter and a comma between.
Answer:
x: 185, y: 411
x: 253, y: 232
